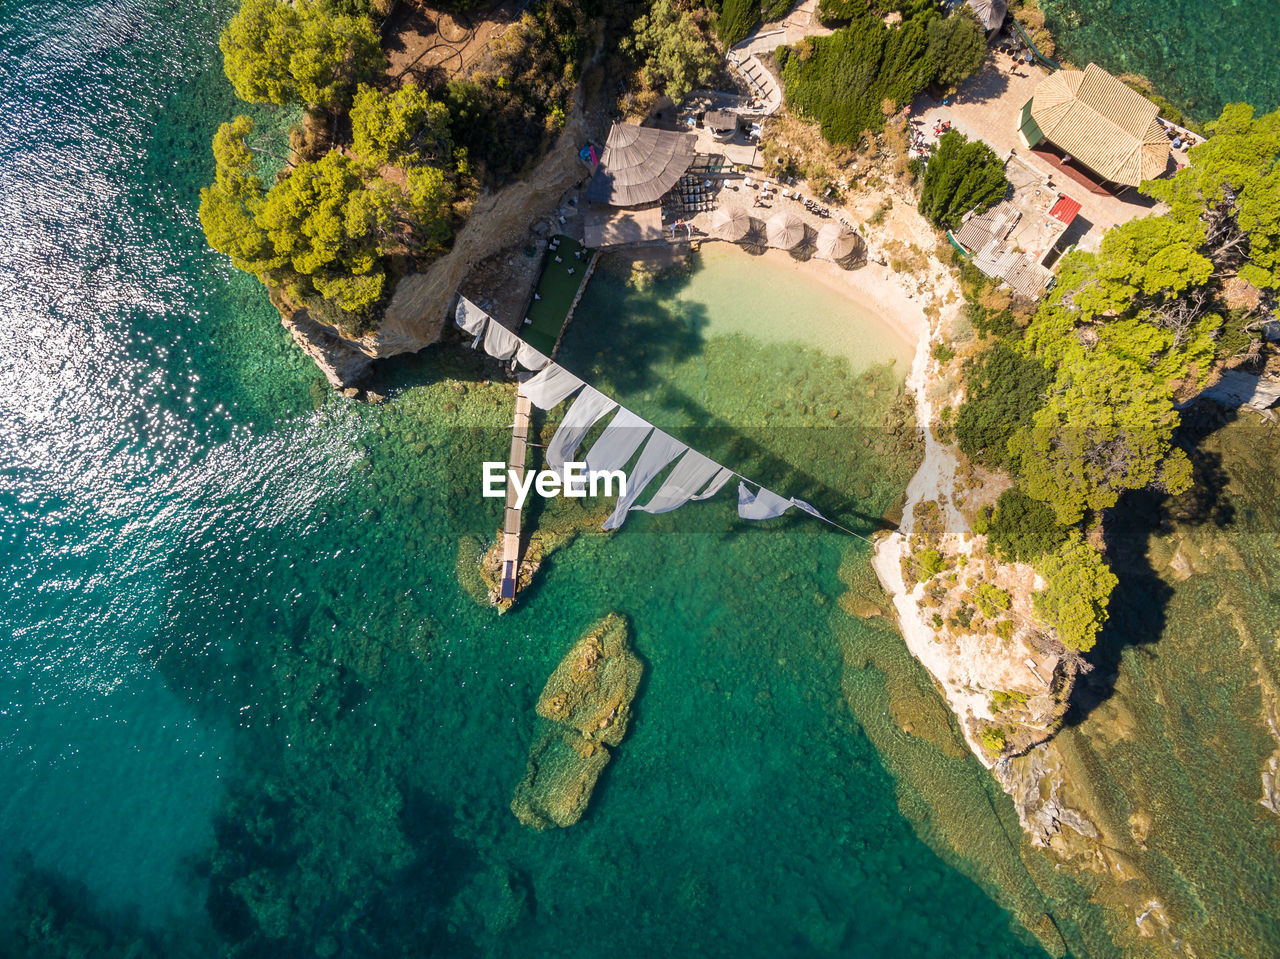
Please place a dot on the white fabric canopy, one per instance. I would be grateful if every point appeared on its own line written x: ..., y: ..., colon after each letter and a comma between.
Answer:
x: 470, y: 317
x: 765, y: 504
x: 801, y: 504
x: 620, y: 439
x: 500, y: 342
x: 550, y: 387
x: 683, y: 482
x: 585, y: 412
x: 716, y: 484
x: 660, y: 450
x: 530, y: 358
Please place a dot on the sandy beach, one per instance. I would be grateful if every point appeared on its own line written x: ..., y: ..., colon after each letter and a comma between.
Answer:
x: 874, y: 293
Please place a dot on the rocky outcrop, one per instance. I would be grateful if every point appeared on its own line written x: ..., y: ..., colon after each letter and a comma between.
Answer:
x: 586, y: 704
x: 343, y: 365
x: 1035, y: 785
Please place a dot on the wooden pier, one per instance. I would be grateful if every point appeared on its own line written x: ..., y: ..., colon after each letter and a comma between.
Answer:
x: 511, y: 515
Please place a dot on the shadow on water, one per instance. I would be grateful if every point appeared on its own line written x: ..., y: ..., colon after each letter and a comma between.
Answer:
x: 1137, y: 612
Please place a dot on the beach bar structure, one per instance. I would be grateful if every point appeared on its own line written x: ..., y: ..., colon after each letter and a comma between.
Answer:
x: 637, y: 168
x: 1099, y: 123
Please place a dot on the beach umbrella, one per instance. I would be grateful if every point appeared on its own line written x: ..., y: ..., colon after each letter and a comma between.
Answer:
x: 835, y: 242
x: 730, y: 223
x: 785, y: 230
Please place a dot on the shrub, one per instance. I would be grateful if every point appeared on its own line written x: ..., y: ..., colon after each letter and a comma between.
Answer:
x: 992, y: 600
x: 737, y: 19
x: 1003, y: 699
x: 1022, y: 529
x: 943, y: 354
x: 957, y: 47
x: 855, y: 73
x: 993, y: 739
x: 931, y: 563
x: 1004, y: 389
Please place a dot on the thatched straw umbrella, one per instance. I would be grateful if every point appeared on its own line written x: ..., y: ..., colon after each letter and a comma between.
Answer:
x: 785, y: 230
x: 835, y: 242
x: 730, y: 223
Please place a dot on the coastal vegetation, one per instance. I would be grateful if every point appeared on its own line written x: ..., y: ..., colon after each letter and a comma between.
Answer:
x: 1081, y: 407
x: 382, y: 172
x: 865, y: 72
x: 737, y: 18
x: 672, y: 43
x: 962, y: 175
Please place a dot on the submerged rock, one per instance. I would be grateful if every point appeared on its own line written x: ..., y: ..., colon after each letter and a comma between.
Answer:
x: 592, y: 688
x: 587, y: 702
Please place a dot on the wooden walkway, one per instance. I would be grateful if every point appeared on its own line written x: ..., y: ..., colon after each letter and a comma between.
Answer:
x: 511, y: 515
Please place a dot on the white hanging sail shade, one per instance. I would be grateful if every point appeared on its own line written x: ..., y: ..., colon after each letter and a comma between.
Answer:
x: 716, y: 484
x: 659, y: 450
x: 470, y: 317
x: 765, y: 504
x: 683, y: 483
x: 551, y: 387
x: 585, y: 412
x: 500, y: 342
x: 530, y: 358
x: 620, y: 439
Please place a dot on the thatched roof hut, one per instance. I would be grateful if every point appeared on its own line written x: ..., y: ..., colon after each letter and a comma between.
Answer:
x: 730, y: 223
x: 640, y: 164
x: 785, y: 230
x: 835, y: 242
x: 1093, y: 117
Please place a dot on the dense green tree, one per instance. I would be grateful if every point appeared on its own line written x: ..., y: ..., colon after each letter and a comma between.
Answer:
x: 849, y: 81
x: 1231, y: 189
x: 1003, y: 391
x: 1022, y: 529
x: 962, y: 175
x: 670, y: 41
x: 319, y: 219
x: 957, y: 47
x: 404, y: 127
x: 1106, y: 428
x: 737, y: 19
x: 1078, y: 587
x: 228, y: 208
x: 277, y: 51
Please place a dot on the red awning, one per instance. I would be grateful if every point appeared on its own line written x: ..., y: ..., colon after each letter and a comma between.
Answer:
x: 1065, y: 209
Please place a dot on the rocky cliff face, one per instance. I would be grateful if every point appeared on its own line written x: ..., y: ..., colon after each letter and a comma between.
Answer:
x: 416, y: 315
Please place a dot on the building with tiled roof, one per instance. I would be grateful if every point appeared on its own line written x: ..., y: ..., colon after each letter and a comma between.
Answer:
x: 1099, y: 122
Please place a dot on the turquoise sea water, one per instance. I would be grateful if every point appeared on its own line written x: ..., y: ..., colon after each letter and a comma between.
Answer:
x: 247, y: 706
x: 1201, y: 54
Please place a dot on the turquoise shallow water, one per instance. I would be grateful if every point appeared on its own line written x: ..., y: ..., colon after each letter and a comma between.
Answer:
x: 248, y: 707
x: 1201, y: 54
